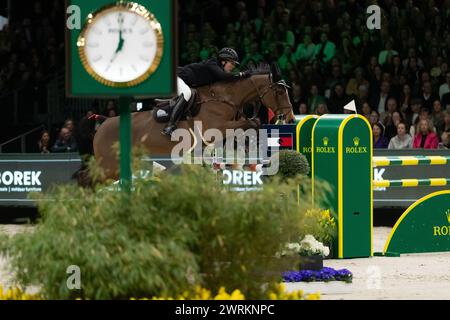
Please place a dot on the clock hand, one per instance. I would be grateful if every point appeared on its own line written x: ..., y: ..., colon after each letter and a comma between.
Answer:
x: 121, y: 41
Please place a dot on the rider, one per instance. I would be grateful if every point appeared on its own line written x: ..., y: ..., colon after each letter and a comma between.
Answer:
x: 200, y: 74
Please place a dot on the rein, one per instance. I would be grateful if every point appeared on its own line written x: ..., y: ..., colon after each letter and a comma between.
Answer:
x: 267, y: 89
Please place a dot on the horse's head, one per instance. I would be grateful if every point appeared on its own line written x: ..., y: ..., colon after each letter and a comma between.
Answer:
x: 274, y: 95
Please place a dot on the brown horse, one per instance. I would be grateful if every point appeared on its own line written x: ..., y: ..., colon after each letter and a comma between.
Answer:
x: 220, y: 105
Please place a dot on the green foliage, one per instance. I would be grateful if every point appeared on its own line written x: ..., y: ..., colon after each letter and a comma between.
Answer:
x: 321, y: 224
x: 168, y: 235
x: 292, y: 164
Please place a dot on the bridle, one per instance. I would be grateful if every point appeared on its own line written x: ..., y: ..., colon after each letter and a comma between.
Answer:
x: 270, y: 88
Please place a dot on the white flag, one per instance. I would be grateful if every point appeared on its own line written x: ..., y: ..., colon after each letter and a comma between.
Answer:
x: 273, y: 142
x: 351, y: 106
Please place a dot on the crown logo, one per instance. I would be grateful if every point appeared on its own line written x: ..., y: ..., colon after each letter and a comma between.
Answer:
x: 325, y: 141
x: 447, y: 213
x: 356, y: 141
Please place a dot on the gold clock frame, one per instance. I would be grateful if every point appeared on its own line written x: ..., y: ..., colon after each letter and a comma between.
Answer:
x: 120, y: 6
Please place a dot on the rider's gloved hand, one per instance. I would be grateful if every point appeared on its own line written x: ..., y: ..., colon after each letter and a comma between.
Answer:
x: 245, y: 74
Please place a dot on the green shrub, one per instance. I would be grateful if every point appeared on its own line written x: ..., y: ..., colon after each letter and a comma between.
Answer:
x: 292, y: 164
x: 168, y: 235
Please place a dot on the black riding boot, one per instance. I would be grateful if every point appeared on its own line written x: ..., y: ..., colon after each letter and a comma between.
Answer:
x: 175, y: 116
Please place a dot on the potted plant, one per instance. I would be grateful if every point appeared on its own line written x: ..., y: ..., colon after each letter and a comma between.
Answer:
x: 322, y: 225
x: 312, y: 253
x: 307, y: 254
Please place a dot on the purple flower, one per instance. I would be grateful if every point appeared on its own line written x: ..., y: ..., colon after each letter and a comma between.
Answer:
x: 325, y: 274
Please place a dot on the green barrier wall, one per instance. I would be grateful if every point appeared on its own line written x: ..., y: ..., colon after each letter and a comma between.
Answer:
x: 342, y: 156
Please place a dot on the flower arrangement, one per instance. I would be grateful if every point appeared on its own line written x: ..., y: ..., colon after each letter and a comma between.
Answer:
x: 325, y: 274
x: 321, y: 224
x: 309, y: 246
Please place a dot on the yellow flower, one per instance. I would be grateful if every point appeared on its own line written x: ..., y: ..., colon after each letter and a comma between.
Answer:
x: 313, y: 296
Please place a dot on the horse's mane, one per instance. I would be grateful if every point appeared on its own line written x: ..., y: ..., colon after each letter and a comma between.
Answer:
x: 262, y: 68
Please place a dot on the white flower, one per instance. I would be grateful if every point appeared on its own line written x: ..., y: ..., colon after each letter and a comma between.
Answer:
x: 293, y: 247
x: 310, y: 245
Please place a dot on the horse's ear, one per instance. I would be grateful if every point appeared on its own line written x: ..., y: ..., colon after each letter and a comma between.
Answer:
x: 276, y: 72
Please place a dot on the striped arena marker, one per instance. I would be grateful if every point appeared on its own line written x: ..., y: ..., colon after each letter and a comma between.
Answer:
x: 410, y: 161
x: 405, y: 183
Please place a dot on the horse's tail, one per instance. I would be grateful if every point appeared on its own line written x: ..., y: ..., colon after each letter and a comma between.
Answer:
x: 84, y: 136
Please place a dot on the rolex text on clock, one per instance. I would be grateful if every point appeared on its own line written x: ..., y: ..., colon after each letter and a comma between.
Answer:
x: 121, y: 45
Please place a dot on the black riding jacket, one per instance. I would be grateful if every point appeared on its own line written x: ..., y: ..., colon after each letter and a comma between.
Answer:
x: 204, y: 73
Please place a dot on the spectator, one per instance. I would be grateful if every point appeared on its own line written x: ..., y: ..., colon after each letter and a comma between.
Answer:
x: 303, y: 109
x: 412, y: 113
x: 391, y: 107
x: 355, y: 82
x: 366, y: 110
x: 253, y: 55
x: 44, y: 142
x: 325, y: 50
x: 392, y: 123
x: 412, y: 55
x: 379, y: 101
x: 411, y: 71
x: 424, y: 114
x: 322, y: 109
x: 374, y: 118
x: 315, y: 98
x: 363, y: 95
x: 402, y: 140
x: 310, y: 77
x: 305, y: 50
x: 69, y: 124
x: 338, y: 99
x: 396, y: 70
x: 297, y: 97
x: 437, y: 115
x: 427, y: 96
x: 425, y: 138
x: 286, y: 58
x: 65, y: 142
x: 335, y: 78
x: 379, y: 140
x: 446, y: 125
x: 445, y: 137
x: 445, y: 87
x: 347, y: 54
x: 445, y: 129
x: 389, y: 51
x: 405, y: 97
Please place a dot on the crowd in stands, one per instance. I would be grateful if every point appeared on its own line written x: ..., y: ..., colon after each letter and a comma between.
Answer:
x: 32, y: 51
x: 70, y: 135
x: 397, y: 75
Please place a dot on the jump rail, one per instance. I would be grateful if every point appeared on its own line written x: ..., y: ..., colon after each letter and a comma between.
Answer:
x: 410, y: 161
x: 406, y: 183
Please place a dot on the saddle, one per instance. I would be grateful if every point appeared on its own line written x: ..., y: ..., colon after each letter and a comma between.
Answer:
x: 164, y: 108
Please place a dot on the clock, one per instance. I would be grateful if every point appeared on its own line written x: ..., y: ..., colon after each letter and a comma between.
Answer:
x: 121, y: 44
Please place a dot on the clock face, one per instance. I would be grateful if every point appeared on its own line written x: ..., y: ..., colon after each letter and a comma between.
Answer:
x: 121, y: 45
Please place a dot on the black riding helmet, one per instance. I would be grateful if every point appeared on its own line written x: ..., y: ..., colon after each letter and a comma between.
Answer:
x: 229, y: 54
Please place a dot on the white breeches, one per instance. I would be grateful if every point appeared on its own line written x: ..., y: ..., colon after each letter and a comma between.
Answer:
x: 184, y: 89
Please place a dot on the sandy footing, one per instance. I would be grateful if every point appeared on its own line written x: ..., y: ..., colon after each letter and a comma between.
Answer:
x: 412, y: 276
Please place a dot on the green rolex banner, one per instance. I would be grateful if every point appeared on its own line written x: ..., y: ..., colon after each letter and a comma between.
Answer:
x: 423, y: 227
x: 342, y: 156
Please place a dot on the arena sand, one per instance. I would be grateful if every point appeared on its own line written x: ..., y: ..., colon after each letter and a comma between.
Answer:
x: 414, y: 276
